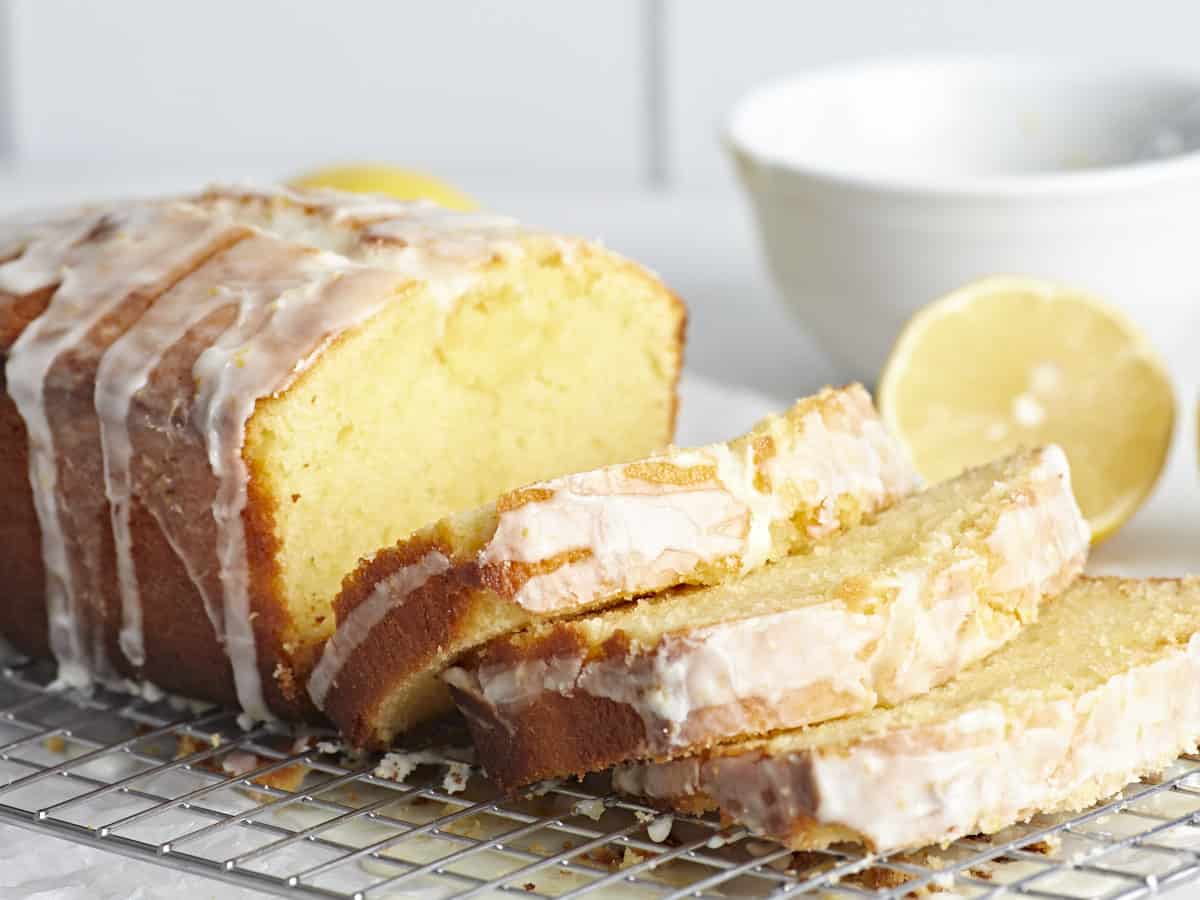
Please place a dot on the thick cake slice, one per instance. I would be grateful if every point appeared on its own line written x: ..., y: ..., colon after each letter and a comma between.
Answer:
x: 1103, y: 690
x: 211, y: 407
x: 576, y: 543
x: 873, y: 616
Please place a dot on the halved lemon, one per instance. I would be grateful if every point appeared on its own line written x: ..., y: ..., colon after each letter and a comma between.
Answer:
x: 1010, y: 362
x: 392, y: 181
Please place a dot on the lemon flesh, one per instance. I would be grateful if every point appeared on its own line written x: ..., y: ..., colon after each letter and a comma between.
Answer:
x: 391, y: 181
x: 1010, y: 362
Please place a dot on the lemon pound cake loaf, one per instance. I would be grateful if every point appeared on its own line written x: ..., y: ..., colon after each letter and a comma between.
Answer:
x: 576, y: 543
x: 880, y: 613
x: 211, y: 407
x: 1103, y: 690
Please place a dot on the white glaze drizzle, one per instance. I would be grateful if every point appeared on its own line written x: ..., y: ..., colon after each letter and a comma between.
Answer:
x: 385, y: 596
x: 249, y: 274
x: 981, y: 767
x: 143, y: 246
x: 643, y: 535
x: 747, y: 675
x: 373, y: 247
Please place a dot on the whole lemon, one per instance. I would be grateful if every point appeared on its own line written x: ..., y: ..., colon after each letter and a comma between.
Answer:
x: 392, y: 181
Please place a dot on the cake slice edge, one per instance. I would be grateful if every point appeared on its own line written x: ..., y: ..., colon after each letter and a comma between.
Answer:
x: 581, y: 542
x: 570, y: 697
x: 984, y: 768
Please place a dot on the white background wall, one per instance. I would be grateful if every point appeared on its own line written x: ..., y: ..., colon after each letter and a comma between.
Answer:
x: 562, y: 112
x: 606, y: 92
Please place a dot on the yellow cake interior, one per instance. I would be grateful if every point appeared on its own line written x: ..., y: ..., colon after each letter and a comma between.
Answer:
x: 552, y: 362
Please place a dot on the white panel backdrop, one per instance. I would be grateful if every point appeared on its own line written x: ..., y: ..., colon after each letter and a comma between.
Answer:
x: 531, y: 88
x: 558, y: 111
x: 519, y: 92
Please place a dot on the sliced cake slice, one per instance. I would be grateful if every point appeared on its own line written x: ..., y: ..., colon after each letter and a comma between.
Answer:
x: 1103, y: 690
x: 585, y: 541
x: 873, y: 616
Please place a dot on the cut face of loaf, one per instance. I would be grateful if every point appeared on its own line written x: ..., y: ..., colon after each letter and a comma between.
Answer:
x: 584, y: 541
x: 1103, y: 690
x: 874, y: 616
x: 211, y: 408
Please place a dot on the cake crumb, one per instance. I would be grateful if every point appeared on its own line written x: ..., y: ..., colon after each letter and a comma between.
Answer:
x: 399, y: 765
x: 593, y: 808
x: 1046, y: 846
x: 877, y: 878
x: 457, y: 774
x: 660, y: 829
x: 604, y: 856
x: 632, y: 858
x: 542, y: 788
x: 759, y: 848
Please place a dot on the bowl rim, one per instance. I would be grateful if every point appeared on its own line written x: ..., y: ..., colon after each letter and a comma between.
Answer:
x: 1067, y: 182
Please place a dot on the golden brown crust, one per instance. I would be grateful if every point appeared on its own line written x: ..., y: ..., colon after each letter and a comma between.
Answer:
x: 680, y: 345
x: 520, y: 497
x: 556, y: 735
x: 401, y: 645
x: 508, y: 577
x: 69, y: 399
x: 23, y: 611
x: 184, y: 655
x: 359, y: 584
x: 669, y: 473
x: 548, y: 740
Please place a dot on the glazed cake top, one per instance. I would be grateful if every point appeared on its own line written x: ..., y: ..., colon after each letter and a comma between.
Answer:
x: 123, y: 284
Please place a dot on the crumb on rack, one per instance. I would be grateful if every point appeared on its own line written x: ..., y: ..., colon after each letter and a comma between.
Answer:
x: 632, y: 857
x: 593, y: 808
x: 1046, y: 846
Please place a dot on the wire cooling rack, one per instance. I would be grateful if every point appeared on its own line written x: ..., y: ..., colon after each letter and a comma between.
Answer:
x: 291, y: 813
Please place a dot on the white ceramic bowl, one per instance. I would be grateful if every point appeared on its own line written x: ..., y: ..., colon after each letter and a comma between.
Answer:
x: 880, y: 186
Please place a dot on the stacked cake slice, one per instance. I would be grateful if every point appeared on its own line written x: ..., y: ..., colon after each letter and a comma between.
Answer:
x: 1103, y: 689
x: 876, y: 615
x: 778, y: 628
x: 582, y: 542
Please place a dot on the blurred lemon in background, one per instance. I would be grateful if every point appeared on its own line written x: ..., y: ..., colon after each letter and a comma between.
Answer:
x: 1010, y: 362
x: 402, y: 184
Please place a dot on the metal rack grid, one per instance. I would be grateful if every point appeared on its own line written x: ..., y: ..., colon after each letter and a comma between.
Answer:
x: 289, y: 813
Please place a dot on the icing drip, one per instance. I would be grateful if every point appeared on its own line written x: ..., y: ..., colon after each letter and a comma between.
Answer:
x: 641, y: 535
x: 97, y: 261
x: 304, y: 268
x: 927, y: 622
x: 270, y: 342
x: 353, y: 631
x: 632, y: 529
x: 125, y: 370
x: 998, y: 759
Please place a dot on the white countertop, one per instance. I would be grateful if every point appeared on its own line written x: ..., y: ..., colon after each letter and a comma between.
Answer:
x: 703, y: 246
